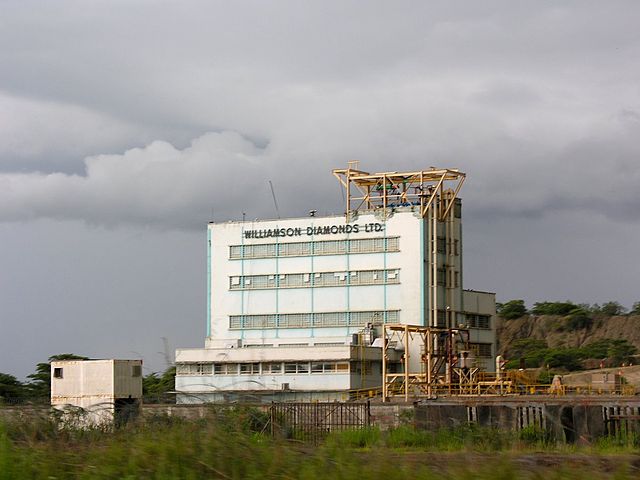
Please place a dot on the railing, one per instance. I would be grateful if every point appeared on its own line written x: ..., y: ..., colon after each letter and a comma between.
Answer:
x: 312, y: 422
x: 365, y: 393
x: 495, y: 387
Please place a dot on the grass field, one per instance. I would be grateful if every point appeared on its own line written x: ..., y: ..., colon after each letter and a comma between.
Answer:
x: 233, y: 445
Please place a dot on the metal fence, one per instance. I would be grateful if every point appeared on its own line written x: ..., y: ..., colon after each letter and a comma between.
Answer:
x: 312, y: 422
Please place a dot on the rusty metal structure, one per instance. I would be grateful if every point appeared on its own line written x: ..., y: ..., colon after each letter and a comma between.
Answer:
x: 312, y: 422
x: 388, y: 190
x: 443, y: 364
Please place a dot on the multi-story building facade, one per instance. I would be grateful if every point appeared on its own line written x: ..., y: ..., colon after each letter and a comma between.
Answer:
x: 294, y: 306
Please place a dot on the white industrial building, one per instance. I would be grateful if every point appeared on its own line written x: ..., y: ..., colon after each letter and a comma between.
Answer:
x: 295, y: 306
x: 100, y: 392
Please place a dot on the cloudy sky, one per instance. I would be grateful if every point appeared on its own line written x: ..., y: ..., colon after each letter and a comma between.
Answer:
x: 125, y: 126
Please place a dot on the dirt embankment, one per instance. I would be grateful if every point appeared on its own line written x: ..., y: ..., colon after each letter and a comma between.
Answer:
x: 557, y: 332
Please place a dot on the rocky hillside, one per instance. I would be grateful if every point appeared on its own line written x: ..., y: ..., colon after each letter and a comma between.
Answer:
x: 561, y: 332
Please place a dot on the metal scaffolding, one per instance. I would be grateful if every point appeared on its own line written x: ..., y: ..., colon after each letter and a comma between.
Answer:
x: 440, y: 363
x: 388, y: 190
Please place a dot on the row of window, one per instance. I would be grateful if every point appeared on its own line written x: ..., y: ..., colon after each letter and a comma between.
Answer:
x: 318, y: 279
x: 472, y: 320
x: 448, y: 278
x: 481, y: 349
x: 453, y: 245
x: 267, y: 368
x: 323, y: 247
x: 477, y: 321
x: 313, y: 320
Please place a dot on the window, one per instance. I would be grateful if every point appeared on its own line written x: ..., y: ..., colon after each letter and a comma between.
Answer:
x: 272, y: 368
x: 329, y: 367
x: 249, y: 369
x: 290, y: 368
x: 481, y: 349
x: 441, y: 245
x: 457, y: 208
x: 342, y: 367
x: 136, y: 370
x: 315, y: 319
x: 57, y: 372
x: 299, y: 367
x: 478, y: 321
x: 320, y: 247
x: 318, y: 279
x: 193, y: 369
x: 225, y: 368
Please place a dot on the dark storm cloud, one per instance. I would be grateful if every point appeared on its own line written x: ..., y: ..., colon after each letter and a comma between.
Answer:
x: 116, y: 116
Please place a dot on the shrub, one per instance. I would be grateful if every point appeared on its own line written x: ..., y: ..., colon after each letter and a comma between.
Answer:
x: 567, y: 358
x: 553, y: 308
x: 534, y: 435
x: 355, y: 438
x: 512, y: 309
x: 578, y: 319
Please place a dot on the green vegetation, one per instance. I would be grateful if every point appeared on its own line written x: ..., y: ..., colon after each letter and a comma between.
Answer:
x: 155, y: 388
x: 553, y: 308
x: 232, y: 444
x: 536, y: 353
x: 516, y: 308
x: 511, y: 309
x: 10, y: 387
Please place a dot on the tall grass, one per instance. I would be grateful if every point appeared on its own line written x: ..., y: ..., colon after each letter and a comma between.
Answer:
x: 232, y: 444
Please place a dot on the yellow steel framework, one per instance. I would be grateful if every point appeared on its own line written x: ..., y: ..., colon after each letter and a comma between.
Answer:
x: 438, y: 364
x: 387, y: 190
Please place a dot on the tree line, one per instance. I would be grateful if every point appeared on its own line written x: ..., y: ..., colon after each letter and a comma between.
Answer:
x: 516, y: 308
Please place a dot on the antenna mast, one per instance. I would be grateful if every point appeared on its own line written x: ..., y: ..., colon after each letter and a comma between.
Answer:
x: 275, y: 202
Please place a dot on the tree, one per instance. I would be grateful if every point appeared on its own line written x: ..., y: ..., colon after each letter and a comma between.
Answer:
x: 157, y: 386
x: 11, y: 387
x: 527, y: 346
x: 611, y: 309
x: 597, y: 349
x: 553, y: 308
x: 567, y: 358
x: 577, y: 319
x: 635, y: 310
x: 621, y: 351
x: 532, y: 350
x: 40, y: 384
x: 511, y: 309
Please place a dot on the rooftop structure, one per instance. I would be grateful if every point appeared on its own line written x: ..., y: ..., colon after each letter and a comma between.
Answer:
x: 388, y: 190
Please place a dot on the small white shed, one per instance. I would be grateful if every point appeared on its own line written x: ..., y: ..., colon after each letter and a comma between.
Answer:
x: 106, y: 391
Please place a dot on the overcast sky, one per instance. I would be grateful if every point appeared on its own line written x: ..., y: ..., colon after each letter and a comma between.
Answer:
x: 125, y: 126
